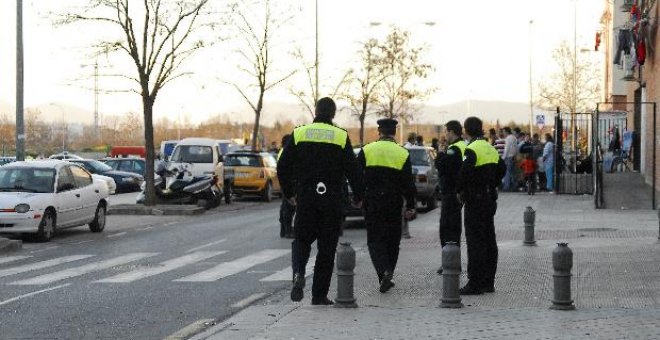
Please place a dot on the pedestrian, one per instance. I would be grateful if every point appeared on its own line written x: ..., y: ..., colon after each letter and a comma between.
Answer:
x: 499, y: 143
x: 448, y: 165
x: 509, y: 156
x: 312, y: 172
x: 549, y: 161
x: 287, y: 210
x: 419, y: 141
x: 388, y: 181
x: 481, y: 172
x: 528, y: 166
x: 435, y: 144
x: 411, y: 140
x: 492, y: 136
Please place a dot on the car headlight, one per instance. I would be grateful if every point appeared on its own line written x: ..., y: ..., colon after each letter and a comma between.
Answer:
x: 22, y: 208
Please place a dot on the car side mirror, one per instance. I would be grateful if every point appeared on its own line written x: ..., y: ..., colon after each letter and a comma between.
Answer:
x: 65, y: 187
x: 220, y: 158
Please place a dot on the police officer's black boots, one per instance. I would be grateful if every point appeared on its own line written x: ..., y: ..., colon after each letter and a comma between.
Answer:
x: 471, y: 289
x: 386, y: 283
x: 298, y: 286
x: 323, y: 301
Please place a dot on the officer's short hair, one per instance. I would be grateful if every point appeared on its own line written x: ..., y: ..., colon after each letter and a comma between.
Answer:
x: 455, y: 127
x: 473, y: 127
x: 326, y: 107
x: 285, y: 139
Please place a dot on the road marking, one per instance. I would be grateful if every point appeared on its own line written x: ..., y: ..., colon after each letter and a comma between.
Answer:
x: 147, y: 228
x: 248, y: 300
x: 193, y: 328
x: 47, y: 248
x: 12, y: 259
x: 234, y: 267
x: 206, y: 245
x: 81, y: 242
x: 166, y: 266
x: 118, y: 234
x: 286, y: 274
x: 92, y: 267
x: 33, y: 293
x: 41, y: 265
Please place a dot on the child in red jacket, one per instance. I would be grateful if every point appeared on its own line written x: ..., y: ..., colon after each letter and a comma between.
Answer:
x: 528, y: 167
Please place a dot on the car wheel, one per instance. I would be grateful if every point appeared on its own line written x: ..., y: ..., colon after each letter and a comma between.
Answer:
x: 46, y: 227
x: 267, y: 195
x: 98, y: 224
x: 432, y: 202
x: 228, y: 193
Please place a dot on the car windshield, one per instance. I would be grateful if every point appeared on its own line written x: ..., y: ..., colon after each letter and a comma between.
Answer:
x: 95, y: 166
x: 242, y: 160
x: 419, y: 157
x: 192, y: 154
x: 26, y: 179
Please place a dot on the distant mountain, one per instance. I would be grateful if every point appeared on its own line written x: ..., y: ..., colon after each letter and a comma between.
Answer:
x: 488, y: 111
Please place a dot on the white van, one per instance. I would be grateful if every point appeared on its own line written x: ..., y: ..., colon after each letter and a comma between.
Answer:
x: 166, y: 148
x: 204, y: 155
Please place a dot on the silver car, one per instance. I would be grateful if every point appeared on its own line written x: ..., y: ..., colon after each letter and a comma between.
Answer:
x: 425, y: 174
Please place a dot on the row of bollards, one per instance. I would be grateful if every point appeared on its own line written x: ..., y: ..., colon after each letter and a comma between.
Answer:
x: 562, y: 263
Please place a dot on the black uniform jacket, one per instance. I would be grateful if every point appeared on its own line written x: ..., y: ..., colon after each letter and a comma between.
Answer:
x: 448, y: 165
x: 308, y: 163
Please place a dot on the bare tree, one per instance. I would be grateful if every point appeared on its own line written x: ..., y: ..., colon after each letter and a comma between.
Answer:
x: 558, y: 89
x: 307, y: 98
x: 363, y: 84
x: 158, y: 36
x: 258, y: 27
x: 403, y: 67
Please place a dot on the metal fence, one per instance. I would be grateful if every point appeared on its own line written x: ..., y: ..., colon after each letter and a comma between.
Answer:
x: 574, y: 153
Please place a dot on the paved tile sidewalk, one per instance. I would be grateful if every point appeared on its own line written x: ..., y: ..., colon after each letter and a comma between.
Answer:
x: 616, y: 284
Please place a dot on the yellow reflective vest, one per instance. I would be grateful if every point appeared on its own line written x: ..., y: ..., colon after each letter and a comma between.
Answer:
x: 386, y: 154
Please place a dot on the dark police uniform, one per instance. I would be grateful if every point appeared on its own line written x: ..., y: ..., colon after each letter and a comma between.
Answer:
x: 388, y: 180
x: 482, y: 171
x: 448, y: 165
x: 318, y: 159
x: 287, y: 211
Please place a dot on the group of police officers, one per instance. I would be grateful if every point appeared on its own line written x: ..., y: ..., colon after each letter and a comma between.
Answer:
x: 318, y: 158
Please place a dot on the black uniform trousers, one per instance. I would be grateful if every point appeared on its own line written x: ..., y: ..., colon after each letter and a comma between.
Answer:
x: 450, y: 220
x: 318, y: 218
x: 287, y: 210
x: 383, y: 218
x: 481, y: 242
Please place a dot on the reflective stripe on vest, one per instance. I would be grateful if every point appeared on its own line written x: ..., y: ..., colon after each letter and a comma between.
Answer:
x: 279, y: 153
x: 385, y: 154
x: 460, y: 144
x: 320, y: 133
x: 486, y: 153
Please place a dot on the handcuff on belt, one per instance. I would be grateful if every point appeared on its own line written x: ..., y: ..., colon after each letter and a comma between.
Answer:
x: 321, y: 189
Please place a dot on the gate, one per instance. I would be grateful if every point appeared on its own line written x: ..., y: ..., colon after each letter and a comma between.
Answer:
x: 574, y: 153
x: 625, y: 155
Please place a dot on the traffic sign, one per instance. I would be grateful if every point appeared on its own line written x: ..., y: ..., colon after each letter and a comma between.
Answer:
x: 540, y: 121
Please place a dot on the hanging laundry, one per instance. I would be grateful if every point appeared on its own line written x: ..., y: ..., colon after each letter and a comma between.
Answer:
x: 624, y: 43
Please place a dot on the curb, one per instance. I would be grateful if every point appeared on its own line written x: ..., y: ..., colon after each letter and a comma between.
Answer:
x: 139, y: 209
x: 7, y: 245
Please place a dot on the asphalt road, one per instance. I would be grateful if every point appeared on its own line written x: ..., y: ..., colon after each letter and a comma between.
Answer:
x: 145, y: 277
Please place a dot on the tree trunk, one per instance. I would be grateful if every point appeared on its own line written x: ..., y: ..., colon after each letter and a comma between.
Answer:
x: 148, y: 106
x: 363, y: 115
x: 257, y: 118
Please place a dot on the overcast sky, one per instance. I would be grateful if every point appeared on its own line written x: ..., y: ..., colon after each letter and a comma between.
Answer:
x: 479, y: 49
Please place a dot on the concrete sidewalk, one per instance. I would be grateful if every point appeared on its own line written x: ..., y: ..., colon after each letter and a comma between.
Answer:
x: 616, y: 284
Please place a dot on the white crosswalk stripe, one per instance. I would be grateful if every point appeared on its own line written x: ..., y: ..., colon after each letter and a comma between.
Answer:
x: 286, y: 274
x: 41, y: 265
x: 12, y: 259
x: 166, y: 266
x: 234, y: 267
x: 78, y: 271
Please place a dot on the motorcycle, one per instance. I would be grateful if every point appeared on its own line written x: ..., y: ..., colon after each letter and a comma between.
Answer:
x: 178, y: 186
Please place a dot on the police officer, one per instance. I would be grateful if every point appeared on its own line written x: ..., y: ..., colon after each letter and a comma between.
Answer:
x: 388, y: 180
x: 482, y: 171
x: 287, y: 210
x: 448, y: 165
x: 318, y: 159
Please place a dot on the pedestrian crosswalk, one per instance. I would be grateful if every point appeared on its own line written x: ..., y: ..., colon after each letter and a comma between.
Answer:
x: 190, y: 267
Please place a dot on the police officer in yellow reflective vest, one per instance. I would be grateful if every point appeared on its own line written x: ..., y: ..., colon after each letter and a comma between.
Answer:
x: 448, y: 164
x: 482, y: 171
x: 388, y: 180
x: 287, y: 210
x: 313, y: 169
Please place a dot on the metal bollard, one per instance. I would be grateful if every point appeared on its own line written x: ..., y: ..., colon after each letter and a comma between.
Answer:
x: 345, y: 275
x: 451, y: 272
x: 562, y: 262
x: 659, y: 223
x: 528, y: 217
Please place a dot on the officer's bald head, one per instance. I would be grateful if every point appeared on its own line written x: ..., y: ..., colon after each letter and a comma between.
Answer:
x: 325, y: 109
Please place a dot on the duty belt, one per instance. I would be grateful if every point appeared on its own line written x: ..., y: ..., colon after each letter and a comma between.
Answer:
x: 321, y: 189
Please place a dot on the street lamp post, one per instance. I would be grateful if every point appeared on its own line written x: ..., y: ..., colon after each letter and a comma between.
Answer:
x: 316, y: 60
x: 20, y: 126
x: 531, y: 98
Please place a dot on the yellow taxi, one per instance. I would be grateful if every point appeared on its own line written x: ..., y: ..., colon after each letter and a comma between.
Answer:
x: 254, y: 173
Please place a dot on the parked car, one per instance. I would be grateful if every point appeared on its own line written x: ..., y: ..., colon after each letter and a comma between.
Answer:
x: 134, y: 165
x: 426, y: 175
x: 255, y: 173
x: 109, y: 181
x: 126, y: 181
x: 64, y: 155
x: 7, y: 160
x: 202, y: 156
x: 40, y: 197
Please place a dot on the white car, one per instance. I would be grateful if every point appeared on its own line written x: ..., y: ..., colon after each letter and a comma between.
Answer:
x: 109, y: 181
x: 40, y: 197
